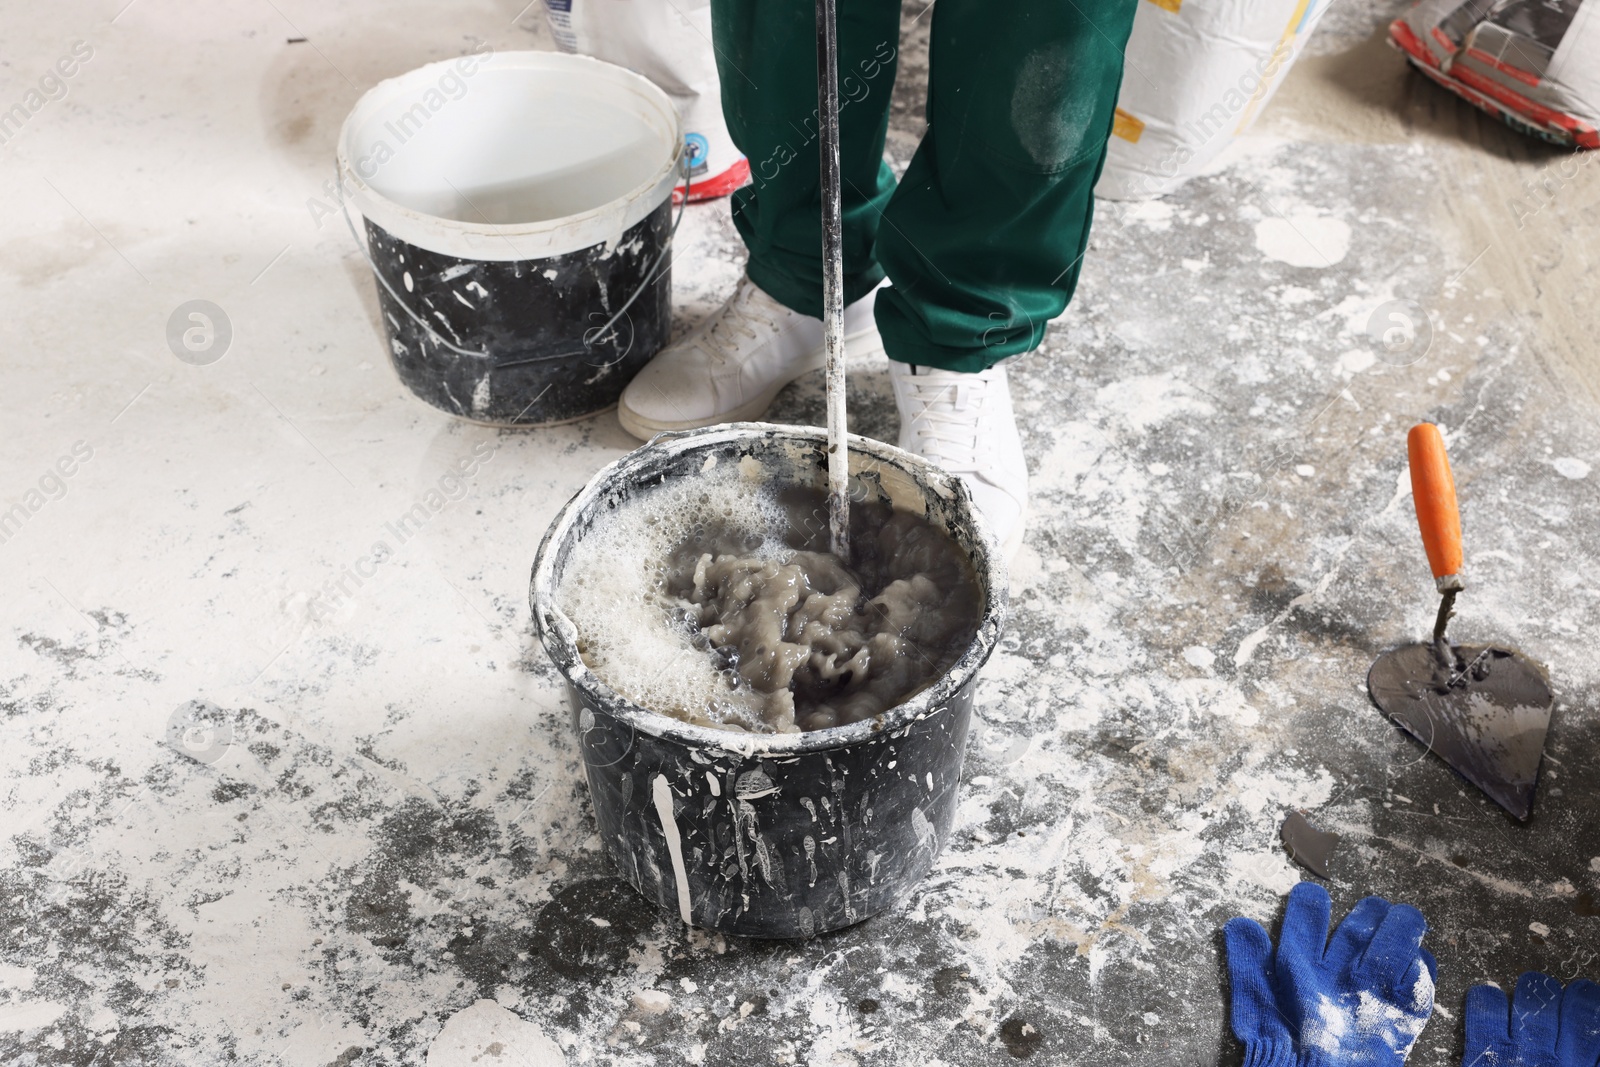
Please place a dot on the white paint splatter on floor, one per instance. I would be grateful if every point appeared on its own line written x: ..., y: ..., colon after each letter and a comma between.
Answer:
x: 486, y: 1033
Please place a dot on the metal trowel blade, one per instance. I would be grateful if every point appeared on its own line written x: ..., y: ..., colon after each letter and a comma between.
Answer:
x: 1486, y: 715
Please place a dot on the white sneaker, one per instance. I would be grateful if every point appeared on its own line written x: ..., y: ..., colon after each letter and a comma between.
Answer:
x: 734, y: 364
x: 964, y: 423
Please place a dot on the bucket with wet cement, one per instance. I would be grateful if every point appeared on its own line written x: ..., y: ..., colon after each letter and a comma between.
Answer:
x: 765, y: 834
x: 517, y: 216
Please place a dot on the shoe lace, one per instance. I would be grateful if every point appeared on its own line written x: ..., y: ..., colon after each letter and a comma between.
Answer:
x: 739, y: 317
x: 945, y: 417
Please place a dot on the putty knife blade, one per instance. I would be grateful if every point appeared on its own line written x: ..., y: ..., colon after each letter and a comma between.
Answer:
x: 1486, y: 716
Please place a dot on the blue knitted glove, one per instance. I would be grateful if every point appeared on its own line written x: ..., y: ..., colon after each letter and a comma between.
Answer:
x: 1546, y: 1026
x: 1361, y: 998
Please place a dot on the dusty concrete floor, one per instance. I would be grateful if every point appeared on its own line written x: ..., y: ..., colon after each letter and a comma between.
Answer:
x: 389, y: 857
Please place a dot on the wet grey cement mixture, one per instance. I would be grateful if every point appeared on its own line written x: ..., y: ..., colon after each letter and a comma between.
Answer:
x: 388, y: 834
x: 804, y: 640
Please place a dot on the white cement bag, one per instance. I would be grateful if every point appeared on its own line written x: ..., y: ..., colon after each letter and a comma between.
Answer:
x: 669, y: 42
x: 1198, y: 73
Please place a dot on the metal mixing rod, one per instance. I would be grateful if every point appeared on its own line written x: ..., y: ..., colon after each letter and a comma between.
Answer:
x: 833, y: 278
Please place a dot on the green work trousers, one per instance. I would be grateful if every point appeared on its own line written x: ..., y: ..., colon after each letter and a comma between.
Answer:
x: 983, y: 238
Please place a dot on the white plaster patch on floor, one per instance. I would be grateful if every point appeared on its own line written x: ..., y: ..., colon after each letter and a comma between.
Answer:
x: 1303, y: 239
x: 1154, y: 214
x: 1027, y: 569
x: 486, y: 1033
x: 1074, y: 451
x: 1127, y: 863
x: 835, y: 1037
x: 1355, y: 361
x: 1571, y: 467
x: 1218, y: 698
x: 1005, y: 668
x: 1146, y: 401
x: 19, y: 978
x: 652, y: 1001
x: 1269, y: 870
x: 1259, y: 789
x: 29, y: 1014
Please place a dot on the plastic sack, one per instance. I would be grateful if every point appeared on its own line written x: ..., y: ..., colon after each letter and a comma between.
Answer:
x: 669, y: 42
x: 1534, y: 64
x: 1198, y: 72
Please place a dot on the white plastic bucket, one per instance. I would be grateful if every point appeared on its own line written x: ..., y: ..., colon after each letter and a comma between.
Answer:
x: 513, y: 203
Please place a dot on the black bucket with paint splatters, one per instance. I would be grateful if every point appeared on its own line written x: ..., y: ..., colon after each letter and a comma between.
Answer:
x: 772, y: 835
x: 517, y: 216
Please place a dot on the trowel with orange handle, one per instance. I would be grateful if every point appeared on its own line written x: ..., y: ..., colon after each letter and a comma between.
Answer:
x: 1484, y: 709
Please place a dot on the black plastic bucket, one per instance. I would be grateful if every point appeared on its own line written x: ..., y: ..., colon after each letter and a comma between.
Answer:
x: 773, y: 835
x: 517, y: 220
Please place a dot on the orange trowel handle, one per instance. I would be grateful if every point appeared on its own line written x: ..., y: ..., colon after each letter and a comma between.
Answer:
x: 1433, y: 488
